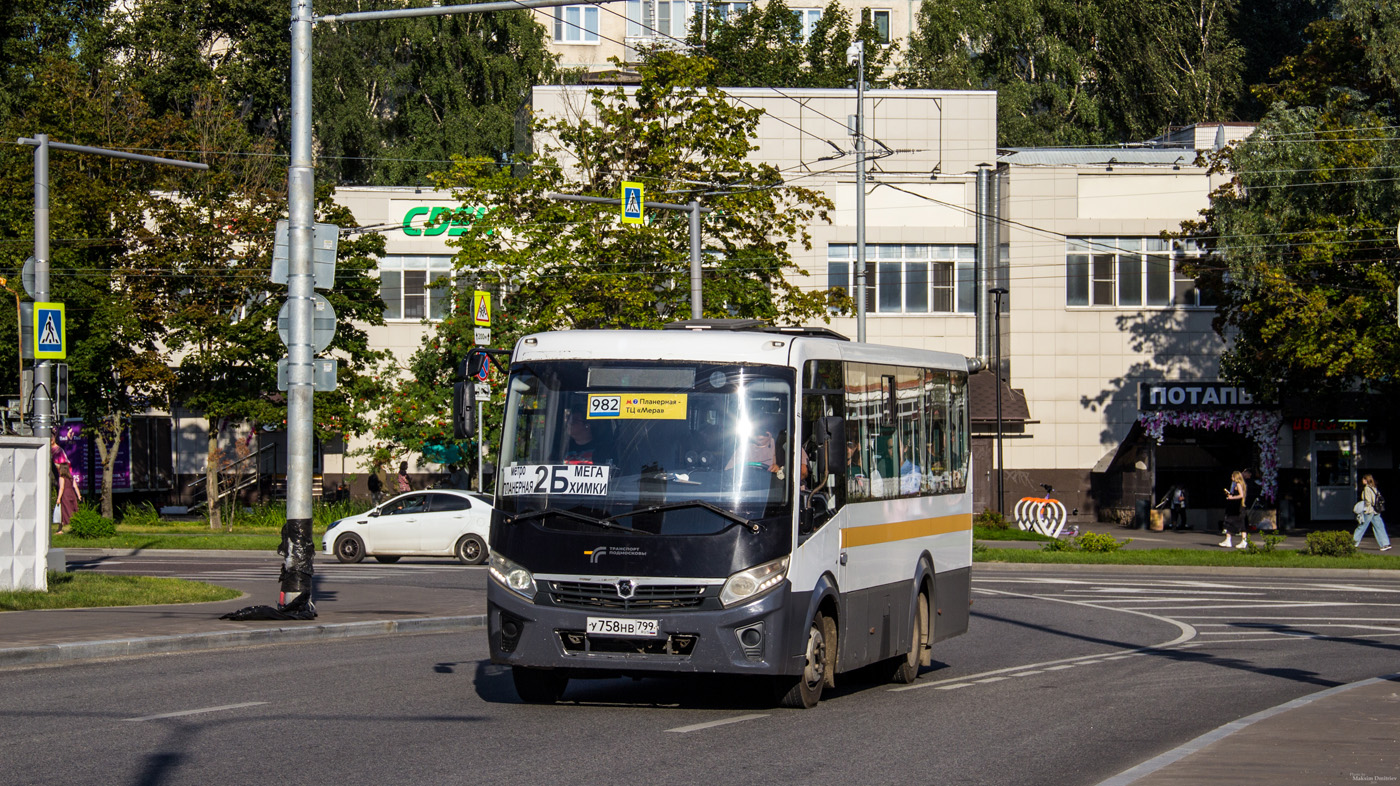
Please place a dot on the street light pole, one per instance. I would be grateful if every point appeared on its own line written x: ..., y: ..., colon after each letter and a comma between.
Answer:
x: 997, y: 292
x: 856, y: 52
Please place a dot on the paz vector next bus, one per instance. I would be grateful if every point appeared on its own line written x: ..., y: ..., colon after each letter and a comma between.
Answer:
x: 725, y: 497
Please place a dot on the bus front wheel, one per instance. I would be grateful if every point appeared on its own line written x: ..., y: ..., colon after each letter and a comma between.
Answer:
x: 806, y: 690
x: 538, y: 686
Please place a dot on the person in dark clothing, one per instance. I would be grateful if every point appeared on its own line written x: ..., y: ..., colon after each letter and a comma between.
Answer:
x: 376, y: 487
x: 1177, y: 499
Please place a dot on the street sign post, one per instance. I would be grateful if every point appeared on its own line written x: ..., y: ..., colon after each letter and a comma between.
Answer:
x: 632, y: 202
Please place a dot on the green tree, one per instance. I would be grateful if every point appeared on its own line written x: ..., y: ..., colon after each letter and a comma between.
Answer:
x: 1378, y: 25
x: 763, y: 47
x: 1039, y: 55
x: 1303, y: 262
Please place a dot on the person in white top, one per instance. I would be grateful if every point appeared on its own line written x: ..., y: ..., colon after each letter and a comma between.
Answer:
x: 1372, y: 505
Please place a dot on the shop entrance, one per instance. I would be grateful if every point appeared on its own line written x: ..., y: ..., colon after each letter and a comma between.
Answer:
x: 1333, y: 477
x: 1200, y: 461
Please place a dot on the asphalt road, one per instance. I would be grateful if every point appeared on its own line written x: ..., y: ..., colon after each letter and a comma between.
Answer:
x: 1065, y: 678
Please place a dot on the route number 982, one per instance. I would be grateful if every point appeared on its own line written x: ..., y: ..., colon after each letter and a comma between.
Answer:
x: 604, y: 406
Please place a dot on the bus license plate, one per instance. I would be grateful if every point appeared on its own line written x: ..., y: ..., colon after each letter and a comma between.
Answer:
x: 612, y: 626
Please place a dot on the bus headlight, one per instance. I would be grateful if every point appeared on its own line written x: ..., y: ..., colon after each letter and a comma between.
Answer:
x: 512, y: 576
x: 749, y: 584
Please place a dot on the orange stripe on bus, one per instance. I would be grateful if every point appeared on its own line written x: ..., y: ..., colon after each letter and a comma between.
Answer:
x: 904, y: 530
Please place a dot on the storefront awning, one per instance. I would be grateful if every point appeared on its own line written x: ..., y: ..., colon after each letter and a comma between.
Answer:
x: 982, y: 402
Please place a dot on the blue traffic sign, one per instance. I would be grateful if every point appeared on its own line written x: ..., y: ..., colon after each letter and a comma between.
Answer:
x: 50, y: 332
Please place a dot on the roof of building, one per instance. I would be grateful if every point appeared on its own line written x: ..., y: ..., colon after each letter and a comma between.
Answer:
x: 982, y: 401
x: 1173, y: 156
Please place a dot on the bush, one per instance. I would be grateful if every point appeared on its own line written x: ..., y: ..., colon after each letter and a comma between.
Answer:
x: 1091, y: 542
x: 88, y: 523
x: 991, y: 520
x: 143, y: 514
x: 1333, y: 543
x: 1123, y: 517
x: 1270, y: 542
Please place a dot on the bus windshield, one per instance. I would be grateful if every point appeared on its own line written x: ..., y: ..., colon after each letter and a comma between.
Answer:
x: 649, y: 447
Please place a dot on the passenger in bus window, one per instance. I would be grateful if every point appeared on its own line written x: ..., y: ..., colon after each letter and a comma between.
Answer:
x: 910, y: 474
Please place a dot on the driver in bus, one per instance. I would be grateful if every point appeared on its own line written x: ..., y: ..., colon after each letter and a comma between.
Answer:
x: 760, y: 450
x: 584, y: 446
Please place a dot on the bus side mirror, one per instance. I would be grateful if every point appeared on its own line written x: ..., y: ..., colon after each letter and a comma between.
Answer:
x: 464, y: 400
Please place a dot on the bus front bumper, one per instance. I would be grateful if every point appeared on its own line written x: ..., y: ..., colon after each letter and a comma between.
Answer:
x: 747, y: 639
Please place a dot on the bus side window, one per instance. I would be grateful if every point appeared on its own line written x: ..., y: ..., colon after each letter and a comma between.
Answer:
x: 823, y: 404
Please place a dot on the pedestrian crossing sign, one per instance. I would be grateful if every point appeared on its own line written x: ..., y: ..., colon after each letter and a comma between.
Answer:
x: 481, y: 308
x: 632, y: 203
x: 50, y: 332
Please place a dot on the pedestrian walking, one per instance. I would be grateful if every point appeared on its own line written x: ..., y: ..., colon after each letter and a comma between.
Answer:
x: 1177, y: 498
x: 1234, y: 512
x: 404, y: 484
x: 1372, y: 505
x: 68, y: 496
x: 376, y: 486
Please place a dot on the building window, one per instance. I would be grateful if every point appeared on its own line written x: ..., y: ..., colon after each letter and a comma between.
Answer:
x: 907, y: 279
x: 406, y: 286
x: 576, y: 24
x: 657, y: 18
x: 1129, y: 272
x: 807, y: 18
x: 881, y: 21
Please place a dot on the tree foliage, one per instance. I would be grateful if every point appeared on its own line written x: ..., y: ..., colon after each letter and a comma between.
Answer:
x: 1304, y: 262
x: 763, y: 47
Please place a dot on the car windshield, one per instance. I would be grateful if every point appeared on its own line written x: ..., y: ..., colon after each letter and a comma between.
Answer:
x: 660, y: 448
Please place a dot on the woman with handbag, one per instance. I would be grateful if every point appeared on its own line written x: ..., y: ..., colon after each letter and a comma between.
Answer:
x: 68, y: 496
x: 1372, y: 503
x: 1234, y: 512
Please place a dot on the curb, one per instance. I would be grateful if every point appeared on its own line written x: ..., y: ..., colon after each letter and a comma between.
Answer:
x: 194, y: 642
x: 1203, y: 570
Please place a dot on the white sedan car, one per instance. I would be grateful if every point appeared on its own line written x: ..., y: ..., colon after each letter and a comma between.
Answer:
x: 429, y: 523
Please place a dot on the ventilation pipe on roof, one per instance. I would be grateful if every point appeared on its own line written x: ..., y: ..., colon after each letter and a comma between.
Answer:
x: 988, y: 245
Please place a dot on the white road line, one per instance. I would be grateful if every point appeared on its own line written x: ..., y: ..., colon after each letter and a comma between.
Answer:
x: 1028, y: 673
x: 712, y: 724
x: 1187, y: 633
x: 1136, y: 590
x: 199, y: 711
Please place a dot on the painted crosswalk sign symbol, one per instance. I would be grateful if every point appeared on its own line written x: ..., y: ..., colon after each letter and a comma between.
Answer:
x: 481, y: 308
x: 632, y: 202
x: 50, y: 335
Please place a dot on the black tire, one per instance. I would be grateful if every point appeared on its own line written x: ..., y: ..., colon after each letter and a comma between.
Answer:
x: 387, y: 559
x: 349, y: 548
x: 539, y: 686
x: 905, y: 668
x: 806, y: 690
x: 470, y: 550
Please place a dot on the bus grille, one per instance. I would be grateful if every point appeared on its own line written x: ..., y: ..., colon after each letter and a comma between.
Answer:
x: 597, y: 595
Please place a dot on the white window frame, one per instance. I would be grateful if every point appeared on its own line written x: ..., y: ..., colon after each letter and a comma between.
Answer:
x: 405, y: 285
x: 1127, y: 273
x: 576, y: 24
x: 807, y: 18
x: 887, y: 15
x: 943, y: 273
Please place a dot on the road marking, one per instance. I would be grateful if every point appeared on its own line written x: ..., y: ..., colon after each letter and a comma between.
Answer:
x: 955, y: 686
x: 712, y: 724
x: 1028, y: 673
x: 992, y: 679
x: 200, y: 711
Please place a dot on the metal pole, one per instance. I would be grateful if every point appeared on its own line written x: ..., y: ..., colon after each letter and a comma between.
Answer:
x: 43, y: 398
x: 860, y: 194
x: 997, y: 292
x: 297, y: 549
x: 480, y: 449
x: 697, y: 306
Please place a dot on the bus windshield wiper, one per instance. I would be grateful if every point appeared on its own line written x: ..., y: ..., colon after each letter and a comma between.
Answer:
x: 694, y: 503
x: 569, y: 514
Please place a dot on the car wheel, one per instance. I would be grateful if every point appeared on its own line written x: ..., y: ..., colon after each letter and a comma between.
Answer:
x: 349, y: 548
x: 471, y: 550
x: 539, y: 686
x: 388, y: 560
x: 806, y: 690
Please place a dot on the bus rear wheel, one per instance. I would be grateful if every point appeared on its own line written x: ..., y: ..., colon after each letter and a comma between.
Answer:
x: 905, y: 668
x: 806, y: 690
x: 538, y: 686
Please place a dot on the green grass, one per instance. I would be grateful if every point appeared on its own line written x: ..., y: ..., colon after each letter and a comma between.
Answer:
x: 88, y: 590
x: 1279, y: 558
x: 176, y: 540
x: 980, y: 532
